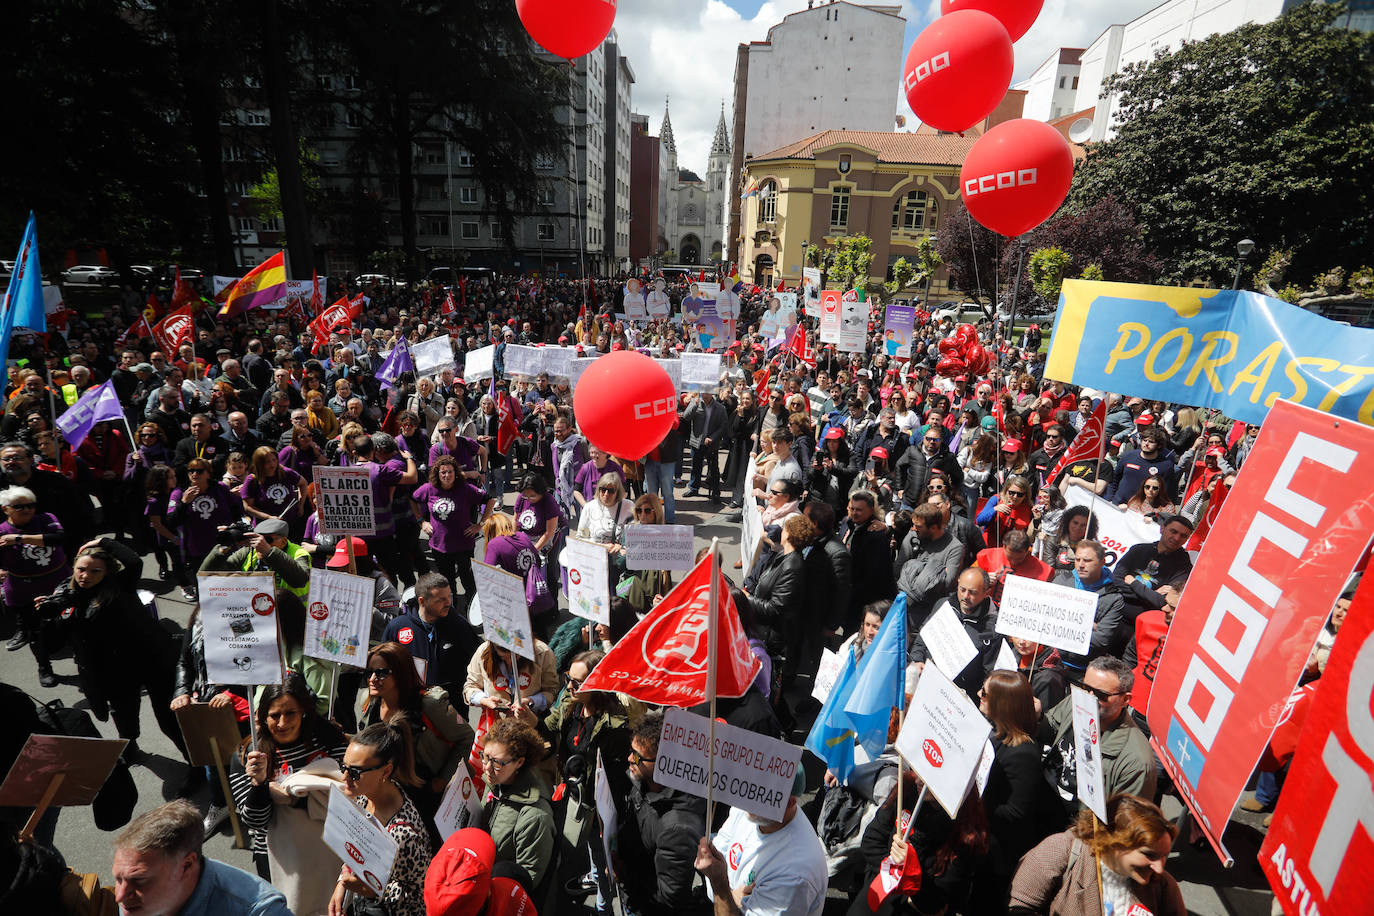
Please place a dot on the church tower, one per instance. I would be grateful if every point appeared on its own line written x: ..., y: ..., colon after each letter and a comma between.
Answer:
x: 717, y: 189
x: 667, y: 180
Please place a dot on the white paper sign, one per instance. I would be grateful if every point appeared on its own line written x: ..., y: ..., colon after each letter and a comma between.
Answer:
x: 980, y: 777
x: 338, y: 617
x: 505, y: 615
x: 558, y: 361
x: 751, y: 526
x: 1050, y: 614
x: 605, y: 809
x: 1006, y: 658
x: 578, y: 366
x: 477, y: 364
x: 753, y: 772
x: 589, y: 585
x: 832, y: 663
x: 811, y: 291
x: 239, y: 614
x: 660, y: 547
x: 701, y: 370
x: 674, y: 369
x: 359, y: 840
x: 433, y: 355
x: 461, y: 805
x: 523, y: 362
x: 943, y: 737
x: 345, y: 503
x: 947, y: 642
x: 1087, y: 752
x: 1117, y: 529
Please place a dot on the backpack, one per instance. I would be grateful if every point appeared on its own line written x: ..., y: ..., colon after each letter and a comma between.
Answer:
x: 114, y: 804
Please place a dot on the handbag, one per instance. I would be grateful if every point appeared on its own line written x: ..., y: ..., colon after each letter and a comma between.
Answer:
x: 537, y: 594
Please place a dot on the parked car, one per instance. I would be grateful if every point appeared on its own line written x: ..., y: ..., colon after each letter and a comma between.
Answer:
x: 90, y: 274
x: 373, y: 280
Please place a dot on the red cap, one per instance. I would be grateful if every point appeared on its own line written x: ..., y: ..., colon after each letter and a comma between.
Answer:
x: 1011, y: 445
x: 340, y: 558
x: 1216, y: 451
x: 878, y: 452
x: 458, y: 881
x: 1145, y: 419
x: 617, y: 346
x: 834, y: 432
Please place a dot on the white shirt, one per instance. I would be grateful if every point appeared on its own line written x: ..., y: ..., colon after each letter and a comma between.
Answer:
x: 787, y: 867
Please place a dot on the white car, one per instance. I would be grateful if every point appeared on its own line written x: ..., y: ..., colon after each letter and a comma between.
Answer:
x: 90, y: 273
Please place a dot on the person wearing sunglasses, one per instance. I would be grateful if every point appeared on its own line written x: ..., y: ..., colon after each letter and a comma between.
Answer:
x: 199, y: 511
x: 1009, y: 510
x: 32, y: 555
x: 517, y: 811
x: 380, y: 760
x: 1128, y: 762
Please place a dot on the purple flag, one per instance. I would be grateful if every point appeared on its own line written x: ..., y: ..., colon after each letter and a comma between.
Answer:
x: 97, y: 404
x: 396, y: 362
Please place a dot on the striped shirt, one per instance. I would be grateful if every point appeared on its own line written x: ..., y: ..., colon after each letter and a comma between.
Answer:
x: 254, y: 803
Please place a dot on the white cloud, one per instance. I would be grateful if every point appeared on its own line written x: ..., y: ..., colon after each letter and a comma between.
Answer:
x: 685, y: 49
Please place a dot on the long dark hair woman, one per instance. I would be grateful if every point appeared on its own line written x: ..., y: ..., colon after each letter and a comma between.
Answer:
x: 451, y: 510
x: 441, y: 738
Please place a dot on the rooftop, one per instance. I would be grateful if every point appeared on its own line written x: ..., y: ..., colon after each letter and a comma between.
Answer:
x: 927, y: 149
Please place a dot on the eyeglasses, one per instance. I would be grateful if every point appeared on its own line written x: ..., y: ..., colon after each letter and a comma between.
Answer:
x: 637, y: 758
x: 777, y: 492
x: 1019, y: 494
x: 199, y: 471
x: 1102, y: 695
x: 575, y: 682
x: 353, y: 774
x: 147, y: 435
x: 496, y: 763
x: 644, y: 510
x: 20, y: 507
x: 605, y: 489
x: 1050, y: 437
x: 380, y: 674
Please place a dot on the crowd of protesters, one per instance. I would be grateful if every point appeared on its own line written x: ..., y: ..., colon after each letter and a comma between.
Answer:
x: 874, y: 476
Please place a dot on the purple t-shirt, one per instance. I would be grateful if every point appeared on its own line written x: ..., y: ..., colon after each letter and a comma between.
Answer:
x: 200, y: 520
x: 384, y: 478
x: 514, y: 553
x: 589, y: 475
x: 299, y: 462
x: 27, y: 560
x: 532, y: 518
x: 464, y: 452
x: 276, y: 495
x: 449, y: 512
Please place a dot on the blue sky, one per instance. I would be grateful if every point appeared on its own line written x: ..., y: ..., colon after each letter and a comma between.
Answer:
x: 686, y: 49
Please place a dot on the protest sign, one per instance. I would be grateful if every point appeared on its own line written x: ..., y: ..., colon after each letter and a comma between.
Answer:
x: 780, y: 313
x: 947, y: 642
x: 751, y: 526
x: 1006, y: 658
x: 942, y: 737
x: 660, y: 547
x: 832, y: 663
x: 558, y: 362
x: 477, y: 364
x: 461, y: 805
x: 1049, y: 614
x: 605, y: 809
x: 523, y: 362
x: 980, y: 775
x: 853, y: 335
x: 1286, y: 538
x: 1087, y: 752
x: 589, y: 585
x: 752, y: 771
x: 1232, y: 350
x: 211, y: 734
x: 239, y: 614
x: 1117, y: 529
x: 58, y: 770
x: 700, y: 371
x: 811, y: 292
x: 577, y: 367
x: 338, y: 617
x: 674, y: 369
x: 830, y: 316
x: 1319, y: 850
x: 433, y: 355
x: 657, y: 301
x: 897, y: 330
x: 345, y: 503
x: 505, y: 615
x: 358, y: 839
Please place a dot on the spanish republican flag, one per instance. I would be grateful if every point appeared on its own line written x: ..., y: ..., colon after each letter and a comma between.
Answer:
x: 263, y: 285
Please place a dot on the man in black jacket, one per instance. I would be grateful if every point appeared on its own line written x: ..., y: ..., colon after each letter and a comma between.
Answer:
x: 659, y: 846
x: 978, y: 615
x: 705, y: 422
x: 884, y: 432
x: 915, y: 467
x: 442, y: 640
x: 870, y: 551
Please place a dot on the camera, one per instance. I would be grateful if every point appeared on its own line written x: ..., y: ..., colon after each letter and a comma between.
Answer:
x: 234, y: 534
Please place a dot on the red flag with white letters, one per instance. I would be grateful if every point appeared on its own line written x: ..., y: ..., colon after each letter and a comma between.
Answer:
x: 1087, y: 444
x: 176, y: 328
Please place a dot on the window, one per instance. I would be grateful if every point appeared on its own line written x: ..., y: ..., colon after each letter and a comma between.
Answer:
x: 768, y: 202
x: 249, y: 260
x: 839, y: 207
x: 434, y: 155
x: 349, y: 82
x: 909, y: 212
x: 433, y: 191
x: 544, y: 163
x: 257, y: 118
x: 465, y: 159
x: 469, y: 230
x: 323, y: 83
x: 272, y: 225
x: 245, y: 224
x: 352, y: 119
x: 495, y: 229
x: 1075, y: 83
x: 434, y: 225
x: 546, y: 232
x: 467, y: 195
x: 1063, y: 81
x: 546, y: 197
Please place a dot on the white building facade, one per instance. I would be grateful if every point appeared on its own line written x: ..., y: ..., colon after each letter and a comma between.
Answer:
x: 694, y: 211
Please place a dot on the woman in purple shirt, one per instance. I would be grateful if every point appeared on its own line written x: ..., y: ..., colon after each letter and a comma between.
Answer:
x: 302, y: 454
x: 273, y: 491
x: 507, y: 547
x: 589, y: 475
x: 444, y: 507
x: 536, y: 511
x: 33, y: 564
x: 199, y: 511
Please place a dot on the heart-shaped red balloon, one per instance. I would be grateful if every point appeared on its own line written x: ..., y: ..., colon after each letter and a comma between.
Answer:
x: 950, y: 366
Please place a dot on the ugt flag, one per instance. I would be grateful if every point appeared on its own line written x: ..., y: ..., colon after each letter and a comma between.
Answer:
x: 98, y: 404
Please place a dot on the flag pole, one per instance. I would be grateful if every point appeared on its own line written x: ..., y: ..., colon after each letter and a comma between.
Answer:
x: 712, y: 642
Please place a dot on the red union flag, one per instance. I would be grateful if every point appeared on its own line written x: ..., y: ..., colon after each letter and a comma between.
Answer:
x: 1319, y: 852
x: 1087, y: 444
x: 1298, y: 519
x: 174, y: 330
x: 663, y: 659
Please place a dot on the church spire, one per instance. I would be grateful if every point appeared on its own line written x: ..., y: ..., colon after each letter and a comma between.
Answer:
x: 665, y: 131
x: 720, y: 144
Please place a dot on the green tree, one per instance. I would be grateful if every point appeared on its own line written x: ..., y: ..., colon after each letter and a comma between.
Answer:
x: 847, y: 263
x: 1265, y: 132
x: 266, y: 193
x: 1046, y: 268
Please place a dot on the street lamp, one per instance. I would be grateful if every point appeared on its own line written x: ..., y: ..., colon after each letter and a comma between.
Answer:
x: 1243, y: 249
x: 925, y: 302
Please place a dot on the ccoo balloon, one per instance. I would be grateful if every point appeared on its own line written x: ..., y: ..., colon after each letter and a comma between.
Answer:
x: 1016, y: 16
x: 950, y: 366
x: 1016, y: 176
x: 625, y: 404
x: 568, y: 28
x: 958, y: 69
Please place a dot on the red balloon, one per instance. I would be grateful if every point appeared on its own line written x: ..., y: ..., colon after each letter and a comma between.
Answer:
x: 1016, y: 176
x: 625, y: 404
x: 1017, y: 16
x: 950, y: 366
x: 958, y: 69
x: 949, y: 346
x: 568, y: 28
x: 966, y: 334
x: 978, y: 358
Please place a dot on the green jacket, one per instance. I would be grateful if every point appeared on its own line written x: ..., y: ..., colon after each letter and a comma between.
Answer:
x: 291, y: 566
x: 1128, y: 761
x: 520, y: 821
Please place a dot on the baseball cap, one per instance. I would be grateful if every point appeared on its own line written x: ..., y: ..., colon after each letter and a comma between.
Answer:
x: 273, y: 527
x: 988, y: 422
x: 834, y: 432
x: 1145, y: 419
x: 458, y: 881
x: 1011, y: 445
x: 961, y: 378
x: 1216, y: 451
x: 878, y: 452
x: 340, y: 558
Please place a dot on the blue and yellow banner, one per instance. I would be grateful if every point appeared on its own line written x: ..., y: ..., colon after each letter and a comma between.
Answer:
x: 1235, y: 351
